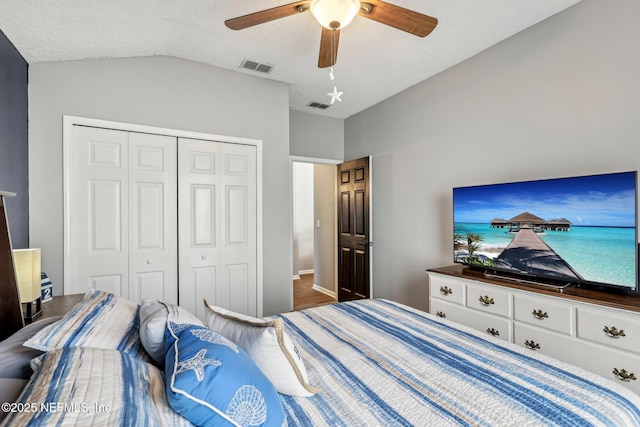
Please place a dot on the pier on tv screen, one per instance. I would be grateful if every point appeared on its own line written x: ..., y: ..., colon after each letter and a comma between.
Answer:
x: 575, y: 230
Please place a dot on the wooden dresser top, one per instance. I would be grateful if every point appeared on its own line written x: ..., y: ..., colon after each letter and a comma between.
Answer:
x: 626, y: 301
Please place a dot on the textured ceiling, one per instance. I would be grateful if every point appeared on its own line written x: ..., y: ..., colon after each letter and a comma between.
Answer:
x: 374, y: 61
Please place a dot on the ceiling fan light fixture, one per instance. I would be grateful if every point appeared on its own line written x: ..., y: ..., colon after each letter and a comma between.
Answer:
x: 334, y: 14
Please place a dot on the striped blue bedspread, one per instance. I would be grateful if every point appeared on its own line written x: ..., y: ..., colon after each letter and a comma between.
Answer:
x: 380, y: 363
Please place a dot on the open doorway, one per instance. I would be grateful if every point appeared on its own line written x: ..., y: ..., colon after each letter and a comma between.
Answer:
x: 314, y: 232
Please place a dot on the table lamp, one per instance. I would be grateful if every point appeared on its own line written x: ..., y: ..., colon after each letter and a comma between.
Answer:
x: 27, y: 265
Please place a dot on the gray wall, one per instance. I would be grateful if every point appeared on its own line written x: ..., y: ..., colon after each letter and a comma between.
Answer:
x: 303, y: 221
x: 169, y: 93
x: 14, y: 172
x: 559, y: 99
x: 316, y: 136
x: 325, y: 245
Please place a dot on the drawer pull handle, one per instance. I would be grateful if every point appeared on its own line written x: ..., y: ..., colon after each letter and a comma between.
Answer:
x: 493, y: 332
x: 614, y: 332
x: 445, y: 290
x: 532, y: 345
x: 441, y: 314
x: 540, y: 315
x: 486, y: 300
x: 623, y: 375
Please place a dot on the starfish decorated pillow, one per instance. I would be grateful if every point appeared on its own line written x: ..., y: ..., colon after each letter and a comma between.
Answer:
x: 210, y: 380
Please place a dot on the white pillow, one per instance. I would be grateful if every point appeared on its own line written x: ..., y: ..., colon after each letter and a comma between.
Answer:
x: 268, y: 344
x: 153, y: 322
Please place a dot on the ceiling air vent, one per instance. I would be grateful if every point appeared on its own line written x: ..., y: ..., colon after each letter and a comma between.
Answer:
x: 256, y: 66
x: 319, y: 105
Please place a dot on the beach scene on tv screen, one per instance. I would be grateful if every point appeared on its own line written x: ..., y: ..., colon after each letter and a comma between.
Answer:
x: 580, y: 229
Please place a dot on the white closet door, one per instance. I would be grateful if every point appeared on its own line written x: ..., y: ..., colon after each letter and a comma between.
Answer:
x: 199, y: 225
x: 122, y: 214
x: 239, y: 229
x: 217, y: 225
x: 98, y: 200
x: 153, y: 219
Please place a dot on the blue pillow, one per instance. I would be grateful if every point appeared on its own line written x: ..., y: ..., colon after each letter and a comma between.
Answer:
x: 210, y: 380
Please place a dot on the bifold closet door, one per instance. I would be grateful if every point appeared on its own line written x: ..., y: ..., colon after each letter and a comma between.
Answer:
x: 122, y: 214
x: 217, y: 217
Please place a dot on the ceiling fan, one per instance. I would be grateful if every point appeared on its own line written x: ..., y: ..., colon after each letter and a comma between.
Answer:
x: 334, y: 15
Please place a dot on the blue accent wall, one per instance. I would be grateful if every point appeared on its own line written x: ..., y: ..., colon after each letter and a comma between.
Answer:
x: 14, y: 139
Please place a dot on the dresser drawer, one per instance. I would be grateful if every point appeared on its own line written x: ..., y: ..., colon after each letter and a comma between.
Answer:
x: 447, y: 310
x: 542, y: 341
x: 489, y: 300
x: 619, y: 366
x: 498, y: 327
x: 610, y: 329
x: 592, y: 357
x: 543, y: 313
x: 446, y: 288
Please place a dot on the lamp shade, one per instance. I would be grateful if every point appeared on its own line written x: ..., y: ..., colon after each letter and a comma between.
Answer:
x: 27, y: 265
x: 334, y: 14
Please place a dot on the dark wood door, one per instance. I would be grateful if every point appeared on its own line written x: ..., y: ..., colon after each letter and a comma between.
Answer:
x: 353, y: 230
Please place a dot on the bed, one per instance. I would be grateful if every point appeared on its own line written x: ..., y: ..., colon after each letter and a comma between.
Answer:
x: 361, y: 363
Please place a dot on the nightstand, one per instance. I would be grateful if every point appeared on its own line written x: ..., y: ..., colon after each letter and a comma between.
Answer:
x: 59, y: 305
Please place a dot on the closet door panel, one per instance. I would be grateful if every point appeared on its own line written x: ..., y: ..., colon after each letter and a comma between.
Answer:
x: 237, y: 216
x: 199, y: 225
x: 108, y: 283
x: 239, y: 284
x: 105, y: 216
x: 146, y: 285
x: 239, y: 228
x: 123, y: 214
x: 217, y: 225
x: 153, y: 270
x: 204, y: 287
x: 203, y: 215
x: 202, y: 253
x: 98, y: 197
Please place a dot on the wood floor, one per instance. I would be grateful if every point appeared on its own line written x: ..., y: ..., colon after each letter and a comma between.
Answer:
x: 304, y: 296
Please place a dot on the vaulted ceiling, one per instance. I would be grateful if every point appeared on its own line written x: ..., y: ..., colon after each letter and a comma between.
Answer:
x: 374, y: 61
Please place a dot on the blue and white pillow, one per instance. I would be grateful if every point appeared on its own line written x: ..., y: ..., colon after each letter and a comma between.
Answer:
x: 209, y: 379
x: 101, y: 320
x: 82, y: 386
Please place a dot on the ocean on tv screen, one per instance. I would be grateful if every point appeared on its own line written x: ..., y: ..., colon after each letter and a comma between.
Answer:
x: 598, y: 254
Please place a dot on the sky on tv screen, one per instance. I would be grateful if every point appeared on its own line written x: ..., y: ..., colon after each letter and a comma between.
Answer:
x: 598, y: 200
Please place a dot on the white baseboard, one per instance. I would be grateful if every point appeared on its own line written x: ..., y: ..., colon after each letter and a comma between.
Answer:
x: 296, y: 277
x: 306, y: 271
x: 325, y: 291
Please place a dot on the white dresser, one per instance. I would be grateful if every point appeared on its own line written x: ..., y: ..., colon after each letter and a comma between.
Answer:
x: 597, y: 331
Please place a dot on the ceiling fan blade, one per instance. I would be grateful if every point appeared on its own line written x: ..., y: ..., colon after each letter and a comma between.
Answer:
x: 398, y: 17
x: 263, y: 16
x: 328, y: 48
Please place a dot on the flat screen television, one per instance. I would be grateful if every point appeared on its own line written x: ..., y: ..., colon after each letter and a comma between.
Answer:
x: 567, y: 231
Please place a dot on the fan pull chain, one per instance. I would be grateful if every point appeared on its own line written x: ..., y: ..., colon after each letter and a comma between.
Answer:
x: 335, y: 95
